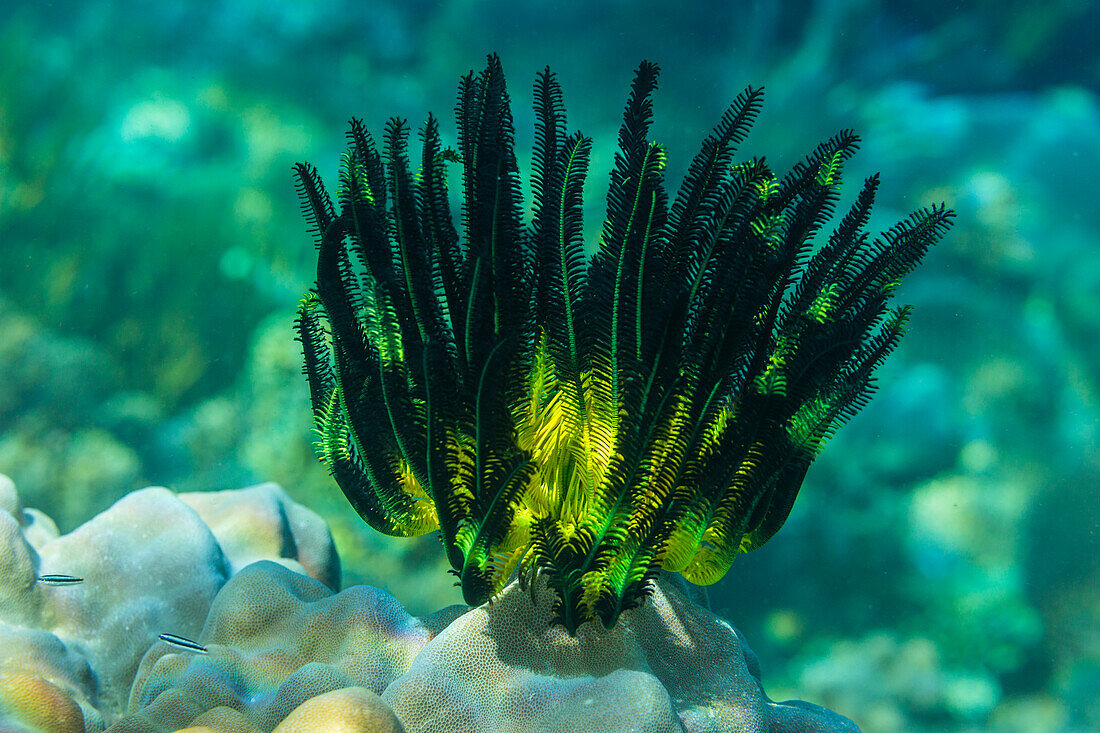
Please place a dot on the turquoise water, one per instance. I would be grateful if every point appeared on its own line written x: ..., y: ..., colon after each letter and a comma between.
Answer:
x: 939, y: 571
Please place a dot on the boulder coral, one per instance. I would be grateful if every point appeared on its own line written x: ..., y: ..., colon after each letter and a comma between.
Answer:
x: 249, y: 575
x: 274, y: 640
x: 150, y: 564
x: 667, y: 665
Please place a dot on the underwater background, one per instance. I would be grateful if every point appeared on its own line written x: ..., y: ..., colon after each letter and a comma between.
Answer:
x: 940, y: 570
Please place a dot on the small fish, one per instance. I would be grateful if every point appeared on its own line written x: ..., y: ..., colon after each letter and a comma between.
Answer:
x: 183, y: 643
x: 59, y: 579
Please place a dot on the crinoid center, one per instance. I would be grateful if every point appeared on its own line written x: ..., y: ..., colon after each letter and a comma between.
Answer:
x: 667, y: 665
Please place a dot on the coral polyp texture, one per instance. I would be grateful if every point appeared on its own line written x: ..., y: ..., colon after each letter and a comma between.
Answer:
x: 589, y: 420
x: 266, y: 647
x: 499, y: 668
x: 79, y: 611
x: 671, y: 666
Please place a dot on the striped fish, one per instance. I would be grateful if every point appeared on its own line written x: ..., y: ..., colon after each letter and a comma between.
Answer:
x: 58, y: 579
x: 183, y: 643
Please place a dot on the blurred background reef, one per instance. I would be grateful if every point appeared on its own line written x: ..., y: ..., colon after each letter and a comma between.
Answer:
x: 940, y: 570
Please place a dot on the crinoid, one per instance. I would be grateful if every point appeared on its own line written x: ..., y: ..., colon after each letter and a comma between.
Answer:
x: 593, y: 419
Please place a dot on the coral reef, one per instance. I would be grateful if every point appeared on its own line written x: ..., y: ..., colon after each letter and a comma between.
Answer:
x: 668, y: 665
x: 991, y: 107
x: 149, y: 565
x: 274, y: 639
x: 279, y: 650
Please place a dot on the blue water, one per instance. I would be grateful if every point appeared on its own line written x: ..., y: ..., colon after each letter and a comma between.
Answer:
x: 940, y: 570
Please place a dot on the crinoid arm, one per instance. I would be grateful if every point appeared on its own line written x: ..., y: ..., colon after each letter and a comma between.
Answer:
x: 591, y: 419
